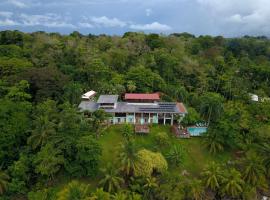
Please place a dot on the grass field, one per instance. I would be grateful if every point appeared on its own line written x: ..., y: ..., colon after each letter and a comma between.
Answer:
x: 195, y: 158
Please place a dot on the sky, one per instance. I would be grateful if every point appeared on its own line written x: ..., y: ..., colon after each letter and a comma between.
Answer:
x: 229, y: 18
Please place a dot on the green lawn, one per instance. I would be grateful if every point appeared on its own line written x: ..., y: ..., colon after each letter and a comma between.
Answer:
x: 195, y: 159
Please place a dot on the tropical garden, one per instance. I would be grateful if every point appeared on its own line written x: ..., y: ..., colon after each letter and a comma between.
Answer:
x: 49, y: 150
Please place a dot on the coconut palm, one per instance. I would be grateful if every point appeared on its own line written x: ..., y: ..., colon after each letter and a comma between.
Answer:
x: 149, y: 187
x: 176, y: 155
x: 213, y: 143
x: 253, y: 169
x: 264, y: 151
x: 196, y: 190
x: 3, y: 182
x: 120, y: 196
x: 111, y: 182
x: 100, y: 194
x: 74, y: 190
x: 44, y: 130
x: 232, y: 183
x: 212, y: 175
x: 128, y: 157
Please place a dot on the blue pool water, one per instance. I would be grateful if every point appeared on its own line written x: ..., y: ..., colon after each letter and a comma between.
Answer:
x: 196, y: 131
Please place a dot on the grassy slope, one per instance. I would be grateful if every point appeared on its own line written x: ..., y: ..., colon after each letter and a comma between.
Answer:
x: 196, y: 156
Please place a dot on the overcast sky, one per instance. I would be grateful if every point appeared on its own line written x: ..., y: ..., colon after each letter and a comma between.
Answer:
x: 199, y: 17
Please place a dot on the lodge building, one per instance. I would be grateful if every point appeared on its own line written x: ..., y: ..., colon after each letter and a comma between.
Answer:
x: 136, y: 108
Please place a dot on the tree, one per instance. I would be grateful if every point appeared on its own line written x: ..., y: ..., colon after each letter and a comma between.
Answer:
x: 3, y: 182
x: 19, y: 92
x: 213, y: 142
x: 211, y: 106
x: 127, y: 157
x: 149, y: 162
x: 196, y: 190
x: 264, y: 151
x: 88, y: 155
x: 176, y: 155
x: 43, y: 132
x: 97, y: 121
x: 162, y: 139
x: 212, y: 176
x: 15, y: 123
x: 232, y: 183
x: 253, y: 169
x: 131, y: 86
x: 192, y: 118
x: 144, y: 79
x: 74, y: 190
x: 150, y: 186
x: 100, y: 194
x: 111, y: 182
x: 48, y: 161
x: 127, y: 131
x: 45, y: 83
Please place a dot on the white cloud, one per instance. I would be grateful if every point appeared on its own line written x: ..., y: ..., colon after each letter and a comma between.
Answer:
x: 17, y: 3
x: 6, y: 14
x: 8, y: 22
x: 247, y: 16
x: 155, y: 26
x: 85, y: 25
x: 107, y: 22
x: 148, y: 11
x: 48, y: 20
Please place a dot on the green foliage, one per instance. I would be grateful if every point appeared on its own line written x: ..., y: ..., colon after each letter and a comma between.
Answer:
x: 48, y: 161
x: 162, y: 139
x: 176, y: 155
x: 232, y: 183
x: 111, y: 181
x: 149, y: 162
x: 127, y: 131
x: 128, y: 157
x: 213, y: 76
x: 14, y: 126
x: 144, y: 79
x: 88, y: 155
x: 74, y: 190
x: 212, y: 176
x: 192, y: 118
x: 3, y: 182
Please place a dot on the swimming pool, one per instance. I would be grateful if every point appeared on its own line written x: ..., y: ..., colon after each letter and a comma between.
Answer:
x: 196, y: 131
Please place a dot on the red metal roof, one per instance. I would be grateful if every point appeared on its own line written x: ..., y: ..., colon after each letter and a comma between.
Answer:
x: 181, y: 108
x: 142, y: 96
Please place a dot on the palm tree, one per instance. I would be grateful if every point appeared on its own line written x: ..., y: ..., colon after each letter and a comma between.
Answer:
x: 212, y: 175
x: 120, y: 196
x: 111, y: 182
x: 74, y: 190
x: 176, y: 155
x: 128, y: 157
x: 264, y: 151
x: 232, y: 183
x: 44, y: 130
x: 98, y: 118
x: 253, y: 169
x: 213, y: 143
x: 100, y: 194
x: 196, y: 190
x: 149, y: 187
x: 3, y: 182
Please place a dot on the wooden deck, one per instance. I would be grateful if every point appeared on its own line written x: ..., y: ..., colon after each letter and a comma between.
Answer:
x: 180, y: 133
x: 142, y: 128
